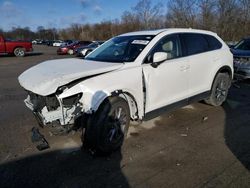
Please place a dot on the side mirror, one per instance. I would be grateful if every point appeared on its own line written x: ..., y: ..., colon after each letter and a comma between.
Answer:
x: 158, y: 58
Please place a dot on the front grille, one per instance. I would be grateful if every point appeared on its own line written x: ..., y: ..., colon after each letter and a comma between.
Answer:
x: 52, y: 102
x: 39, y: 102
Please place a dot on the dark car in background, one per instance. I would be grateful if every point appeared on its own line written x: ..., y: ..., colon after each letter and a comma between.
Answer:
x: 69, y: 49
x: 50, y: 42
x: 83, y: 51
x: 68, y: 42
x: 241, y: 53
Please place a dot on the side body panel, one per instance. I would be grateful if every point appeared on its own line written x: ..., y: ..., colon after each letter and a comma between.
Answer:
x: 10, y: 46
x: 96, y: 89
x: 204, y: 67
x: 2, y: 45
x: 166, y: 84
x: 201, y: 70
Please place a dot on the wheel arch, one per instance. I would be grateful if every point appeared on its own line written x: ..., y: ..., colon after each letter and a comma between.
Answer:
x: 17, y: 47
x: 224, y: 69
x: 128, y: 97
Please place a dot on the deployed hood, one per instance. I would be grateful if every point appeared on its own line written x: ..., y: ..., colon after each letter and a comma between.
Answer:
x: 46, y: 77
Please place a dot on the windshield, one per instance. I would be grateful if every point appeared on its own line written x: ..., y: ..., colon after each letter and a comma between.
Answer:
x: 121, y: 49
x: 243, y: 45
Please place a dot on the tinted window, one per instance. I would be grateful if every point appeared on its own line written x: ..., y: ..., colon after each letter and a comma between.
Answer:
x: 170, y: 45
x: 213, y: 43
x: 194, y: 43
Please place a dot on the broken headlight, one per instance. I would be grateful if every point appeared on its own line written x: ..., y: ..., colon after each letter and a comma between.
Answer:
x: 71, y: 100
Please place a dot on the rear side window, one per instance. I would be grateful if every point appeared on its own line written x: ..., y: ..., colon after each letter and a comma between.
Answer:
x: 194, y: 43
x: 213, y: 43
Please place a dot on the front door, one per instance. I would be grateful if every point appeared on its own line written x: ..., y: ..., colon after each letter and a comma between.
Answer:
x: 167, y: 83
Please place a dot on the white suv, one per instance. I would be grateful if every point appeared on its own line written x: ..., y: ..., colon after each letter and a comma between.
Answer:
x: 134, y: 76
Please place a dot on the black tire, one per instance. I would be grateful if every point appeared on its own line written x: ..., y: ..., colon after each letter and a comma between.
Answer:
x: 19, y: 52
x: 219, y: 90
x: 107, y: 128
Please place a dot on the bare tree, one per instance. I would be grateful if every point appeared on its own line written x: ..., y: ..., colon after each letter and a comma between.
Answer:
x: 229, y: 18
x: 75, y: 30
x: 245, y: 17
x: 130, y: 22
x: 147, y: 13
x: 228, y: 14
x: 207, y: 14
x: 182, y: 13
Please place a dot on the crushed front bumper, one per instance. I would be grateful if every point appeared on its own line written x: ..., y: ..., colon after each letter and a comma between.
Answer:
x: 45, y: 113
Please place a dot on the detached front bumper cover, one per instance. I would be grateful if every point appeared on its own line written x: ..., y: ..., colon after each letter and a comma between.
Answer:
x: 46, y: 111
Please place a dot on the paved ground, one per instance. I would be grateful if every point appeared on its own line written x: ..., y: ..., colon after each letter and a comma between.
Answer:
x: 196, y: 146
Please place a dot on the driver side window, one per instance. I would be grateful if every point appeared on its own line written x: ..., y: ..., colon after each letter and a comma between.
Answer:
x: 169, y: 44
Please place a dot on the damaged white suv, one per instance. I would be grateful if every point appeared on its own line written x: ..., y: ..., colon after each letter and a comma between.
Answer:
x: 134, y: 76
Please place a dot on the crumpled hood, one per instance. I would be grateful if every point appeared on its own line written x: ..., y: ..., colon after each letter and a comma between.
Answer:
x: 46, y: 77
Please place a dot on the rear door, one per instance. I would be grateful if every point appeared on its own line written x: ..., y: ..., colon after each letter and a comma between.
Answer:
x: 201, y: 62
x: 2, y: 45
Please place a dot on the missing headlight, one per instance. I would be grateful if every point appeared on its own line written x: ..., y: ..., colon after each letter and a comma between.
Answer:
x: 72, y: 100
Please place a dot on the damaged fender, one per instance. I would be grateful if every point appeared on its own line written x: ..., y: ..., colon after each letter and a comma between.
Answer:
x: 96, y: 89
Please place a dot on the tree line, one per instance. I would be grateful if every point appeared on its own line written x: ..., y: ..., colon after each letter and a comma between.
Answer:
x: 229, y: 18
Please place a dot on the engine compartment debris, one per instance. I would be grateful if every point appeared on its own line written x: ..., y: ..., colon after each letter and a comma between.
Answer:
x: 38, y: 139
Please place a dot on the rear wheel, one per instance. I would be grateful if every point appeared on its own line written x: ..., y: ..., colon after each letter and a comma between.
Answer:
x: 107, y: 128
x: 19, y: 52
x: 219, y: 90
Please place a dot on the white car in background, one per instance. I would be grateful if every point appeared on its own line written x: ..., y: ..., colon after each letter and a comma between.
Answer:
x: 58, y: 43
x: 134, y: 76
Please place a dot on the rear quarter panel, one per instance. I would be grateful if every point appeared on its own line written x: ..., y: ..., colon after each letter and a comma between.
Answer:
x: 225, y: 60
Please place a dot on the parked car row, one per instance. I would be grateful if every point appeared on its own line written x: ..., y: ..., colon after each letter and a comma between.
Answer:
x: 83, y: 51
x: 79, y: 48
x: 56, y: 43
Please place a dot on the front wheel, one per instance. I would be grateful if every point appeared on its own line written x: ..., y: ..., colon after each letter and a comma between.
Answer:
x: 107, y: 128
x: 219, y: 90
x: 19, y: 52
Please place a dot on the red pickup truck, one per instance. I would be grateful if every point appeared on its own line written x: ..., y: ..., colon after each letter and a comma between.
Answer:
x: 18, y: 48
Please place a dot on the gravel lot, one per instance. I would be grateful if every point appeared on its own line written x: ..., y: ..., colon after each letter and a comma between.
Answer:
x: 195, y: 146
